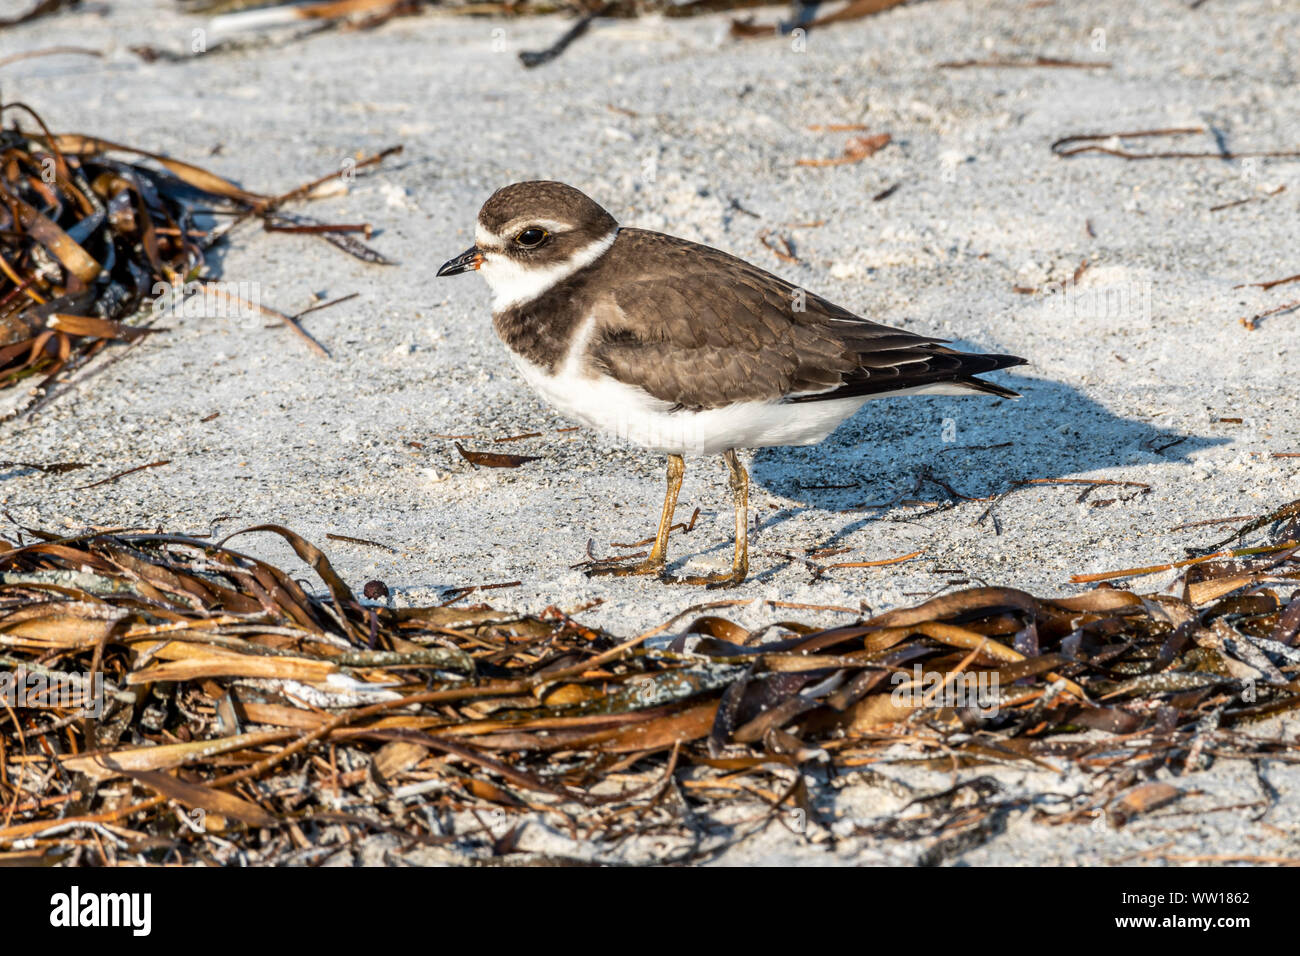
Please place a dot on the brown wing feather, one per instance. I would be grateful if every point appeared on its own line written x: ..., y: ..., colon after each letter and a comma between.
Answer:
x: 699, y: 328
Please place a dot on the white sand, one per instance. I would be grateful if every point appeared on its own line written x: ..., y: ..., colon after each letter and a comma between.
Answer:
x: 1147, y: 351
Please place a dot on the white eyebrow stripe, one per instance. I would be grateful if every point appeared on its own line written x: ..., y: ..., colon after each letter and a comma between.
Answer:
x: 487, y: 240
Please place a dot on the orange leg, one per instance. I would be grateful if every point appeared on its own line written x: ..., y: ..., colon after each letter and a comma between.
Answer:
x: 654, y: 563
x: 740, y: 560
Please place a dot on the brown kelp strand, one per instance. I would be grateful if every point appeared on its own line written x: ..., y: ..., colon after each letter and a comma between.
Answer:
x: 93, y: 231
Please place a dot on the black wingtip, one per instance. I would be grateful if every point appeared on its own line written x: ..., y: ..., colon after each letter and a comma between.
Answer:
x: 992, y: 388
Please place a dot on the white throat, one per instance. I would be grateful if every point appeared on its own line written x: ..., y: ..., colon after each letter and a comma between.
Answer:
x: 513, y: 284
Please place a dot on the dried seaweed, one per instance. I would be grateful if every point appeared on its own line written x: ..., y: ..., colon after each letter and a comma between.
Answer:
x: 89, y: 238
x: 237, y: 703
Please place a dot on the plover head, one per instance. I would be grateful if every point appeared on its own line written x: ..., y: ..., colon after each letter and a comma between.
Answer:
x: 532, y: 235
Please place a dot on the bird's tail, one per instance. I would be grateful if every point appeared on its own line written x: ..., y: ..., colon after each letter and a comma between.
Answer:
x: 992, y: 388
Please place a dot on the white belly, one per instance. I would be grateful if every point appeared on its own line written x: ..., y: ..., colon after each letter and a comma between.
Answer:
x: 637, y: 417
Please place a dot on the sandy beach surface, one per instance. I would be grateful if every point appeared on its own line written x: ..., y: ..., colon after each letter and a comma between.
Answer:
x: 1139, y: 370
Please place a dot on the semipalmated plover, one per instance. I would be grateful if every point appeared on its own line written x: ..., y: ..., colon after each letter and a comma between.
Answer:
x: 684, y: 349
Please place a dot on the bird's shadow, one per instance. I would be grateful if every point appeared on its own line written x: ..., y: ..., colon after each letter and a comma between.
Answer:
x: 954, y: 448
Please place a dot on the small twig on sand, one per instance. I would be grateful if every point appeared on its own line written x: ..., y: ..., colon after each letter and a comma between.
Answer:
x: 362, y: 541
x: 346, y: 170
x: 1036, y: 61
x: 1250, y: 199
x: 1090, y: 484
x: 458, y: 593
x: 123, y: 474
x: 326, y: 305
x: 532, y: 58
x: 785, y: 256
x: 1252, y: 321
x: 1268, y: 285
x: 51, y: 51
x: 883, y: 562
x: 686, y: 527
x: 288, y: 320
x: 858, y: 149
x: 1091, y: 144
x: 1186, y: 562
x: 1211, y: 521
x: 1291, y: 510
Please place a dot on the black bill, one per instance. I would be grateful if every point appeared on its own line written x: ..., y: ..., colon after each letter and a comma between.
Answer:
x: 467, y: 261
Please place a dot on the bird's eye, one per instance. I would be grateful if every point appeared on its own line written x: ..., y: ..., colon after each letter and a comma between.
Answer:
x: 531, y: 238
